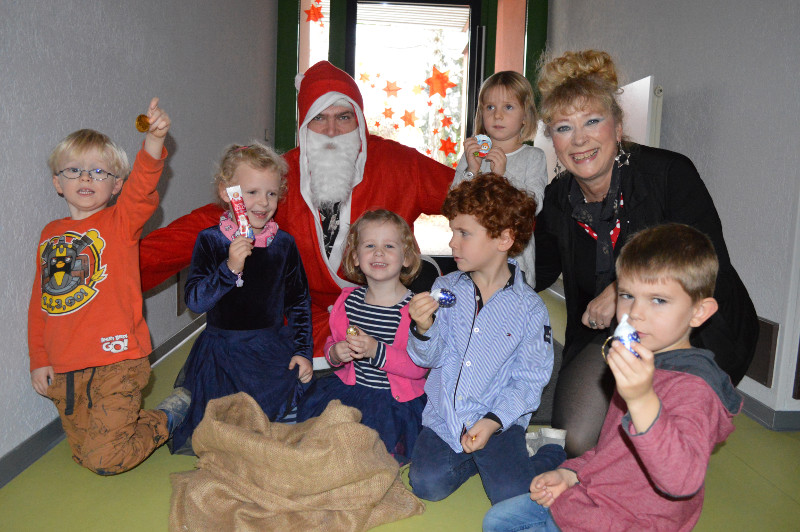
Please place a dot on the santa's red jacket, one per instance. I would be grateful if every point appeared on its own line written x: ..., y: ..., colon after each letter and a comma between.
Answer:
x: 396, y: 178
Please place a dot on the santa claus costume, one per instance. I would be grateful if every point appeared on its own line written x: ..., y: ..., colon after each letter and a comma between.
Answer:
x: 387, y: 175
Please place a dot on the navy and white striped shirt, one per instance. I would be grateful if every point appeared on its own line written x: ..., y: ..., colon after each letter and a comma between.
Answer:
x: 379, y: 322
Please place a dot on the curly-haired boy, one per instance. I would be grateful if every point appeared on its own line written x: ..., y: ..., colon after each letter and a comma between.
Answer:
x: 491, y: 354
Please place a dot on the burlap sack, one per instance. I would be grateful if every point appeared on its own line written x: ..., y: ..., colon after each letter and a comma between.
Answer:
x: 328, y: 473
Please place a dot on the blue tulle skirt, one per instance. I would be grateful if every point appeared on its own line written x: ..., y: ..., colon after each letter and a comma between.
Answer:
x: 224, y: 362
x: 398, y: 424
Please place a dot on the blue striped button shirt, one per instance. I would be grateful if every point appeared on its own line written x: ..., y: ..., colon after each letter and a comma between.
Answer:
x: 497, y: 360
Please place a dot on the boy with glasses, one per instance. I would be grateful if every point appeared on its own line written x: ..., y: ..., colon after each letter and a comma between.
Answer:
x: 87, y: 338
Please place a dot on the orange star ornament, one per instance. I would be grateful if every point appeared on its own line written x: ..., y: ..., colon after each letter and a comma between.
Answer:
x: 447, y: 146
x: 439, y: 82
x: 314, y: 13
x: 409, y: 117
x: 391, y: 89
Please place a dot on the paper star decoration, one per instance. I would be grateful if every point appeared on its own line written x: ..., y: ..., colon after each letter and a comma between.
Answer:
x: 436, y: 131
x: 428, y: 151
x: 363, y: 77
x: 391, y: 89
x: 387, y: 112
x: 314, y: 13
x: 447, y: 146
x: 439, y: 82
x: 409, y: 117
x: 441, y: 111
x: 377, y: 124
x: 416, y: 90
x: 396, y: 126
x: 447, y: 121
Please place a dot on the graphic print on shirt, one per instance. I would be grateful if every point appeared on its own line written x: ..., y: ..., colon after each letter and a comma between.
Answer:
x: 71, y: 270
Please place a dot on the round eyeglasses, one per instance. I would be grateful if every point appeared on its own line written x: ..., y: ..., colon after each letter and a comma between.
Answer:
x: 98, y: 174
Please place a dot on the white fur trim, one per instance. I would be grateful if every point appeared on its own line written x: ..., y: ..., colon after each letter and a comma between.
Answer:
x: 335, y: 260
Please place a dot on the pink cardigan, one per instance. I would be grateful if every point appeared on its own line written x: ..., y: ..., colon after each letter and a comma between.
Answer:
x: 406, y: 379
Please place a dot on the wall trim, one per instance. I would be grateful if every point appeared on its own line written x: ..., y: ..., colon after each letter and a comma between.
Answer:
x: 29, y: 451
x: 778, y: 420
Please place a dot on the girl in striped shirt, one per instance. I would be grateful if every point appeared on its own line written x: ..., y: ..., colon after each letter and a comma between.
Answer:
x: 369, y: 331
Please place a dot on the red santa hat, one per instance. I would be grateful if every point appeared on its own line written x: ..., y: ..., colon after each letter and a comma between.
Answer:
x: 321, y: 79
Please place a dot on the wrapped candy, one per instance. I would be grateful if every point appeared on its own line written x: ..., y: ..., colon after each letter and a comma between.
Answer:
x: 625, y: 333
x: 352, y: 331
x: 240, y: 211
x: 484, y: 145
x: 142, y: 123
x: 445, y: 297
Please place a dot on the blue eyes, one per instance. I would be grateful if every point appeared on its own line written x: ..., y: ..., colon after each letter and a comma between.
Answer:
x: 655, y: 300
x: 566, y: 128
x: 507, y: 107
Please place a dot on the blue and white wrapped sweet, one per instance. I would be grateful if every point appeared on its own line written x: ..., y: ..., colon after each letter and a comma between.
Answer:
x: 445, y: 297
x: 626, y: 334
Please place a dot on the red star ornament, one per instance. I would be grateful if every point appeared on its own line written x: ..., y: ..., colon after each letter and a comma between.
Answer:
x: 387, y: 112
x: 439, y: 82
x: 396, y: 126
x: 441, y: 111
x: 314, y: 13
x: 436, y: 131
x: 391, y: 89
x: 409, y: 117
x: 447, y: 121
x: 447, y: 146
x: 377, y: 124
x: 428, y: 151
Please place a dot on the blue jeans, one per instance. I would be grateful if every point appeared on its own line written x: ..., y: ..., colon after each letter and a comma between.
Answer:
x: 503, y: 464
x: 518, y: 514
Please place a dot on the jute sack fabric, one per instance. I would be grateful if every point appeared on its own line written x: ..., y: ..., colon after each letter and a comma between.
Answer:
x: 328, y: 473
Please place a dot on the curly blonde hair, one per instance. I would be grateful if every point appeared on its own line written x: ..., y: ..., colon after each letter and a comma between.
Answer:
x: 257, y: 155
x: 409, y: 243
x: 517, y: 86
x: 576, y: 80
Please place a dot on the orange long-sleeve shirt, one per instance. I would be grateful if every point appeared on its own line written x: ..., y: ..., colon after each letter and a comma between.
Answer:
x: 86, y: 302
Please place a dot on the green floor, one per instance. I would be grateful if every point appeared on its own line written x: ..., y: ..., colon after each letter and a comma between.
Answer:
x: 753, y: 483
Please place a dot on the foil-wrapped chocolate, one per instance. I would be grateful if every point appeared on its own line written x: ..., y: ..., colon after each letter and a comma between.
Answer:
x: 626, y: 334
x: 445, y: 297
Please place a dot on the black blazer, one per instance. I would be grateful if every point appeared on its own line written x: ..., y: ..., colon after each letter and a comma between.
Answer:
x: 658, y: 186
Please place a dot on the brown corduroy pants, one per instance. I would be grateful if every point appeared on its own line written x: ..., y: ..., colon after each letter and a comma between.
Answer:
x: 100, y: 410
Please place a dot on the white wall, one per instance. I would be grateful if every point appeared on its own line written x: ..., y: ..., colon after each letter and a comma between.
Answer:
x: 730, y: 72
x: 70, y: 64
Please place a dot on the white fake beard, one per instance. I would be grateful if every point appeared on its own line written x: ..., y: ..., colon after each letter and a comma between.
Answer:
x: 332, y: 166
